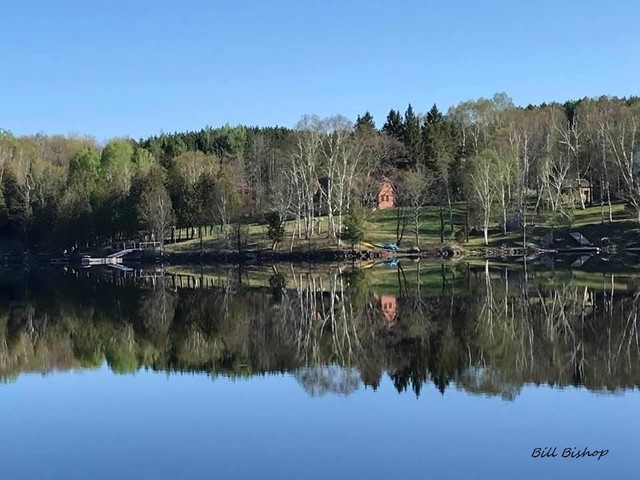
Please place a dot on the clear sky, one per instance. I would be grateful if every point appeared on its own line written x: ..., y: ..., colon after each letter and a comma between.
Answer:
x: 116, y: 67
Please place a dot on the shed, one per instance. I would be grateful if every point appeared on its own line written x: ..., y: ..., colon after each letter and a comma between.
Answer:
x: 386, y: 195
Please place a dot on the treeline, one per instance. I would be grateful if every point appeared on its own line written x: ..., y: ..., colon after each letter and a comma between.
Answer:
x: 505, y: 161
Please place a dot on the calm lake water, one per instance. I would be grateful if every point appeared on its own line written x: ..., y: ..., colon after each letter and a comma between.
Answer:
x: 414, y: 371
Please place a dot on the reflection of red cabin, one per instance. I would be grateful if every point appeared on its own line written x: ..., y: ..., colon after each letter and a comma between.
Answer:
x: 388, y: 305
x: 386, y: 195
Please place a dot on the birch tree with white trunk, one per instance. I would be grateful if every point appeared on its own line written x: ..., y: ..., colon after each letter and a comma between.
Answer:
x: 482, y: 185
x: 621, y: 130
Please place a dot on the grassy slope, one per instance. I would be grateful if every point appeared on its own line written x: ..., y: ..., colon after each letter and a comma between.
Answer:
x: 381, y: 227
x: 622, y: 231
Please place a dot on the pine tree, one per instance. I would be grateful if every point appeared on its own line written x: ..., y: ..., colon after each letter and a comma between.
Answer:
x: 394, y: 125
x: 412, y: 136
x: 430, y: 135
x: 365, y: 124
x: 434, y: 115
x: 275, y: 229
x: 354, y: 225
x: 438, y: 138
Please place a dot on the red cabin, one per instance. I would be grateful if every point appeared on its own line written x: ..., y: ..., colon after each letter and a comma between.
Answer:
x: 386, y: 195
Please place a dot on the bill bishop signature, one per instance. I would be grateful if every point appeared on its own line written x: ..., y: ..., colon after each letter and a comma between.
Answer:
x: 555, y: 452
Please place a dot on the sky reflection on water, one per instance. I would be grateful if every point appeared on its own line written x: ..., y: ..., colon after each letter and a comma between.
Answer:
x: 96, y: 424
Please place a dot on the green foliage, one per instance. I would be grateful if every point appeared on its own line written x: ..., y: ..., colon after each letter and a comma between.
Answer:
x: 394, y: 126
x: 84, y: 165
x: 240, y: 237
x: 434, y: 115
x: 58, y: 189
x: 278, y: 281
x: 439, y: 142
x: 365, y: 124
x: 208, y: 197
x: 354, y: 225
x: 428, y: 335
x: 219, y: 201
x: 122, y: 358
x: 154, y: 207
x: 232, y: 140
x: 186, y: 201
x: 143, y: 159
x: 88, y: 348
x: 412, y: 137
x: 116, y: 165
x: 277, y: 284
x: 359, y: 287
x: 116, y: 153
x: 275, y: 228
x: 18, y: 210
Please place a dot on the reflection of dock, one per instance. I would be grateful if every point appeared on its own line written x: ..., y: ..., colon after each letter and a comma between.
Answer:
x: 88, y: 261
x: 122, y: 268
x: 119, y: 274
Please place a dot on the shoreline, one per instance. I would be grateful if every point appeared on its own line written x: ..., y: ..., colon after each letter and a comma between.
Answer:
x: 248, y: 257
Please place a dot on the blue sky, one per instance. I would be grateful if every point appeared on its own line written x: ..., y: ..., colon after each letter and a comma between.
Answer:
x: 109, y: 68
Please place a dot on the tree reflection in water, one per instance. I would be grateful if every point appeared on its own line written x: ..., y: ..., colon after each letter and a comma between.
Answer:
x: 484, y: 330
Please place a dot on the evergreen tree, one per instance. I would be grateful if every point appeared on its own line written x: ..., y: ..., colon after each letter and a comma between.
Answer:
x: 275, y: 229
x: 365, y: 124
x: 439, y: 138
x: 354, y: 225
x: 394, y: 125
x: 570, y: 109
x: 430, y: 150
x: 412, y: 138
x: 434, y: 115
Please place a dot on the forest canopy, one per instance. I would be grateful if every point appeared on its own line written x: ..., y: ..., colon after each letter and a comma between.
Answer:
x: 502, y: 159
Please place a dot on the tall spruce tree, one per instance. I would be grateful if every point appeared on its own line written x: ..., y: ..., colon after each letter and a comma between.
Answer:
x: 365, y: 124
x: 438, y: 137
x: 394, y: 125
x: 430, y: 137
x: 412, y: 138
x: 434, y: 115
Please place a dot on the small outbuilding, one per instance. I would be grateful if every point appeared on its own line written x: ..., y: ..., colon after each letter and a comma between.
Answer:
x: 386, y: 195
x: 585, y: 191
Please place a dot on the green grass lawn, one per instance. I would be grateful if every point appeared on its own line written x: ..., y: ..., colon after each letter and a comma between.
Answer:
x: 256, y: 238
x: 592, y: 222
x: 381, y: 228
